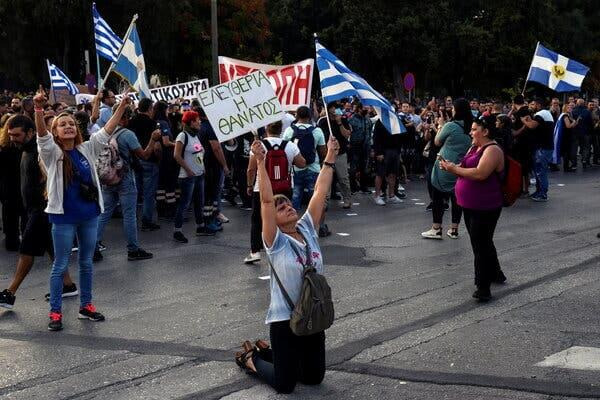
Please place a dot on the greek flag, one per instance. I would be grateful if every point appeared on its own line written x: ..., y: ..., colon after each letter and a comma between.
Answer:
x: 59, y: 80
x: 338, y: 82
x: 131, y: 66
x: 556, y: 71
x: 107, y: 43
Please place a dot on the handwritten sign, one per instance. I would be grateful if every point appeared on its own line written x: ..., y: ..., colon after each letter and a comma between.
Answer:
x: 241, y: 105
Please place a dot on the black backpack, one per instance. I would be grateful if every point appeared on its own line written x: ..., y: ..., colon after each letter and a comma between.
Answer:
x: 306, y: 142
x: 314, y: 311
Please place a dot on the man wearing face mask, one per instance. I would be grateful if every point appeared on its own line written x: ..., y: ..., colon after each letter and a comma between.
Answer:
x: 36, y: 238
x: 358, y: 150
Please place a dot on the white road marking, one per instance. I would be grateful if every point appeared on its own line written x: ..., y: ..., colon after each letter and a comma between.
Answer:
x: 264, y: 278
x: 419, y: 204
x: 343, y: 234
x: 356, y: 204
x: 560, y: 184
x: 352, y: 214
x: 415, y: 199
x: 576, y: 357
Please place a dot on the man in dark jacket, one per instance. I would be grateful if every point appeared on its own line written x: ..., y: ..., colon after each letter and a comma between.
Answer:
x: 37, y: 238
x: 581, y: 134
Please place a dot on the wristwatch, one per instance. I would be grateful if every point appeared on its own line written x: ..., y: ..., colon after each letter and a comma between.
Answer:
x: 328, y: 164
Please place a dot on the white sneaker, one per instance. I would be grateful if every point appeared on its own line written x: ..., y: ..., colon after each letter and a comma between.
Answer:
x: 252, y: 258
x: 223, y: 219
x: 394, y: 200
x: 400, y: 188
x: 433, y: 234
x: 452, y: 233
x: 379, y: 201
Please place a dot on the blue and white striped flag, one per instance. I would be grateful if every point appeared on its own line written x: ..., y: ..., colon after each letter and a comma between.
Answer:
x: 556, y: 71
x: 338, y: 82
x: 131, y: 66
x: 107, y: 42
x: 59, y: 80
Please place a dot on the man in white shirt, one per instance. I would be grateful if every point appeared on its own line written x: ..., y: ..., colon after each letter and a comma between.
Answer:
x: 272, y: 142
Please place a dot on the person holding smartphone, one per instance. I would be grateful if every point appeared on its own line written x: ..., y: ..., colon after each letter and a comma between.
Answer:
x: 454, y: 141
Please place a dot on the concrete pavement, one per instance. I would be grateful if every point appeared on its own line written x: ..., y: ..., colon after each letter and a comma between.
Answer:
x: 406, y: 326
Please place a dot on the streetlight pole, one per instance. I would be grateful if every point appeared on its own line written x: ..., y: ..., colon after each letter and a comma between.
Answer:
x: 214, y: 42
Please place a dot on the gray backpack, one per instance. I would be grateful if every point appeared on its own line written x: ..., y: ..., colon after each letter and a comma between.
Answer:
x: 314, y: 311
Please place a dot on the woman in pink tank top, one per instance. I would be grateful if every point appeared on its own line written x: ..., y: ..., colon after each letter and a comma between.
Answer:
x: 479, y: 193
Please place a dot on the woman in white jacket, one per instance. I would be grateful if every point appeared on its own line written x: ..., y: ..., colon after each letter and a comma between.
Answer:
x: 74, y: 200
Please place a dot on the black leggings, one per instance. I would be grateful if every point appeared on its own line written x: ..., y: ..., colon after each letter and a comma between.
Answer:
x: 438, y: 206
x: 481, y: 225
x: 292, y: 359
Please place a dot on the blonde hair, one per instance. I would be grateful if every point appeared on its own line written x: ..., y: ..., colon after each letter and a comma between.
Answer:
x: 66, y: 160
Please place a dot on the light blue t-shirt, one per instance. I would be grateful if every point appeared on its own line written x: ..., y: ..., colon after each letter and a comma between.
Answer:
x: 105, y: 114
x: 289, y: 268
x: 127, y: 142
x: 319, y: 141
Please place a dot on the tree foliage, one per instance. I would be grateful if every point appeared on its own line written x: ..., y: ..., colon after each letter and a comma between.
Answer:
x: 471, y: 47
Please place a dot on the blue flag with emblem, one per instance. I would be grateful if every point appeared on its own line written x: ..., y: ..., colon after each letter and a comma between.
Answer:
x: 59, y: 80
x: 338, y: 82
x: 556, y: 71
x: 130, y: 63
x: 107, y: 42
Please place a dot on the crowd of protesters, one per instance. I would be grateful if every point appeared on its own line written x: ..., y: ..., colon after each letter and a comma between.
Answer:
x: 67, y: 170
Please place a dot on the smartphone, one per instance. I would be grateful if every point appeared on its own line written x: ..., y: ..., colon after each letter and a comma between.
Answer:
x: 440, y: 158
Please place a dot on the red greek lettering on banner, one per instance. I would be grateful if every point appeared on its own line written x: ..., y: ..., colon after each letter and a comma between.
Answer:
x: 292, y: 83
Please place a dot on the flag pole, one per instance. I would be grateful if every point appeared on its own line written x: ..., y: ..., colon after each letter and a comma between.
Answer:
x: 51, y: 85
x: 112, y: 65
x: 323, y: 97
x: 529, y: 72
x: 99, y: 78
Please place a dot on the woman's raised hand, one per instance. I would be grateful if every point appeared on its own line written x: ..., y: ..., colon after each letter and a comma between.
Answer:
x: 258, y: 150
x: 333, y: 145
x: 40, y: 100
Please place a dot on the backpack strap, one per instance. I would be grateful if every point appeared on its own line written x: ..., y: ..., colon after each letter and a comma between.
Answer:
x: 287, y: 297
x: 267, y: 144
x: 308, y: 264
x: 283, y: 144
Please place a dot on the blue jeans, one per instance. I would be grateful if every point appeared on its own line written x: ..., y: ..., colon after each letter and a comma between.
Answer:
x: 149, y: 183
x: 124, y: 193
x: 219, y: 194
x: 192, y: 188
x: 62, y: 236
x: 540, y: 167
x: 304, y: 179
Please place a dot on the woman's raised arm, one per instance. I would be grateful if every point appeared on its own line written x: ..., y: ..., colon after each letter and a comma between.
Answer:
x: 316, y: 206
x: 267, y: 206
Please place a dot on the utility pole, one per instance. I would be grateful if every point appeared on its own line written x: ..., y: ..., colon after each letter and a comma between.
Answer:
x: 214, y: 36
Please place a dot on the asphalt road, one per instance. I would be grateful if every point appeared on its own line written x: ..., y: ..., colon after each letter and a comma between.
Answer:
x: 406, y: 326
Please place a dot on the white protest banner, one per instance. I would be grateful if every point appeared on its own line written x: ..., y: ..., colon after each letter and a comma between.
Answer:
x: 292, y: 83
x: 185, y: 90
x: 241, y: 105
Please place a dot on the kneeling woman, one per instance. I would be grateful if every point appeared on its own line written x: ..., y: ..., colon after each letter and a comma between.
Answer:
x: 479, y: 193
x: 287, y: 240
